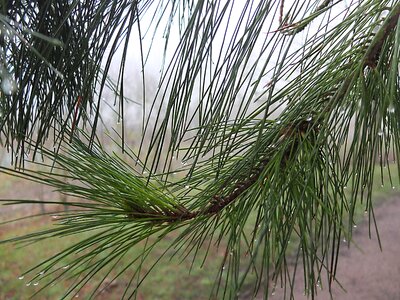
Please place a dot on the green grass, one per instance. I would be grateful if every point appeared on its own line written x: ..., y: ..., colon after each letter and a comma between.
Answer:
x: 170, y: 279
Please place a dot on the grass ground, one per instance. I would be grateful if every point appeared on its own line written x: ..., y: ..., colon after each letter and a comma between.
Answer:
x: 168, y: 280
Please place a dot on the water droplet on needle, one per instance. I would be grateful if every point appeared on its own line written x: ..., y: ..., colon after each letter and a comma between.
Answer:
x: 8, y: 85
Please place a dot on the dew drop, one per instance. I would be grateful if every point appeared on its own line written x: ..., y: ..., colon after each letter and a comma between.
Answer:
x: 144, y: 172
x: 41, y: 272
x: 365, y: 212
x: 77, y: 296
x: 231, y: 253
x: 8, y: 85
x: 309, y: 118
x: 36, y: 283
x: 278, y: 122
x: 183, y: 162
x: 345, y: 187
x: 28, y: 284
x: 187, y: 186
x: 354, y: 226
x: 381, y: 185
x: 344, y: 241
x: 273, y: 293
x: 223, y: 268
x: 391, y: 109
x: 54, y: 217
x: 21, y: 277
x: 319, y: 284
x: 255, y: 240
x: 393, y: 187
x: 380, y: 133
x: 59, y: 74
x: 66, y: 267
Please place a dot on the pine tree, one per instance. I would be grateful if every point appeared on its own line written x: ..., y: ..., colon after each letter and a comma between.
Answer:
x: 278, y: 113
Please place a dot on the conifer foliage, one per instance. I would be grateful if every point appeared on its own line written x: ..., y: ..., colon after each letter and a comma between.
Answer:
x: 266, y: 128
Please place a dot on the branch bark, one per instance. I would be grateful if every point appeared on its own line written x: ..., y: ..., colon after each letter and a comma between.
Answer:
x: 372, y: 54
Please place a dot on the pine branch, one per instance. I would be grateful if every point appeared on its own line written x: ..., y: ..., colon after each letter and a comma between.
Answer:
x: 253, y: 181
x: 372, y: 55
x: 290, y: 138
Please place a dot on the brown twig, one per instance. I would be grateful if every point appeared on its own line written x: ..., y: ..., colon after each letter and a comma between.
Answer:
x: 371, y: 55
x: 301, y: 25
x: 281, y: 13
x: 373, y: 52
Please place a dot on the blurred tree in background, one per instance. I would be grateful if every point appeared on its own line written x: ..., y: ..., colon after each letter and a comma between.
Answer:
x: 264, y: 113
